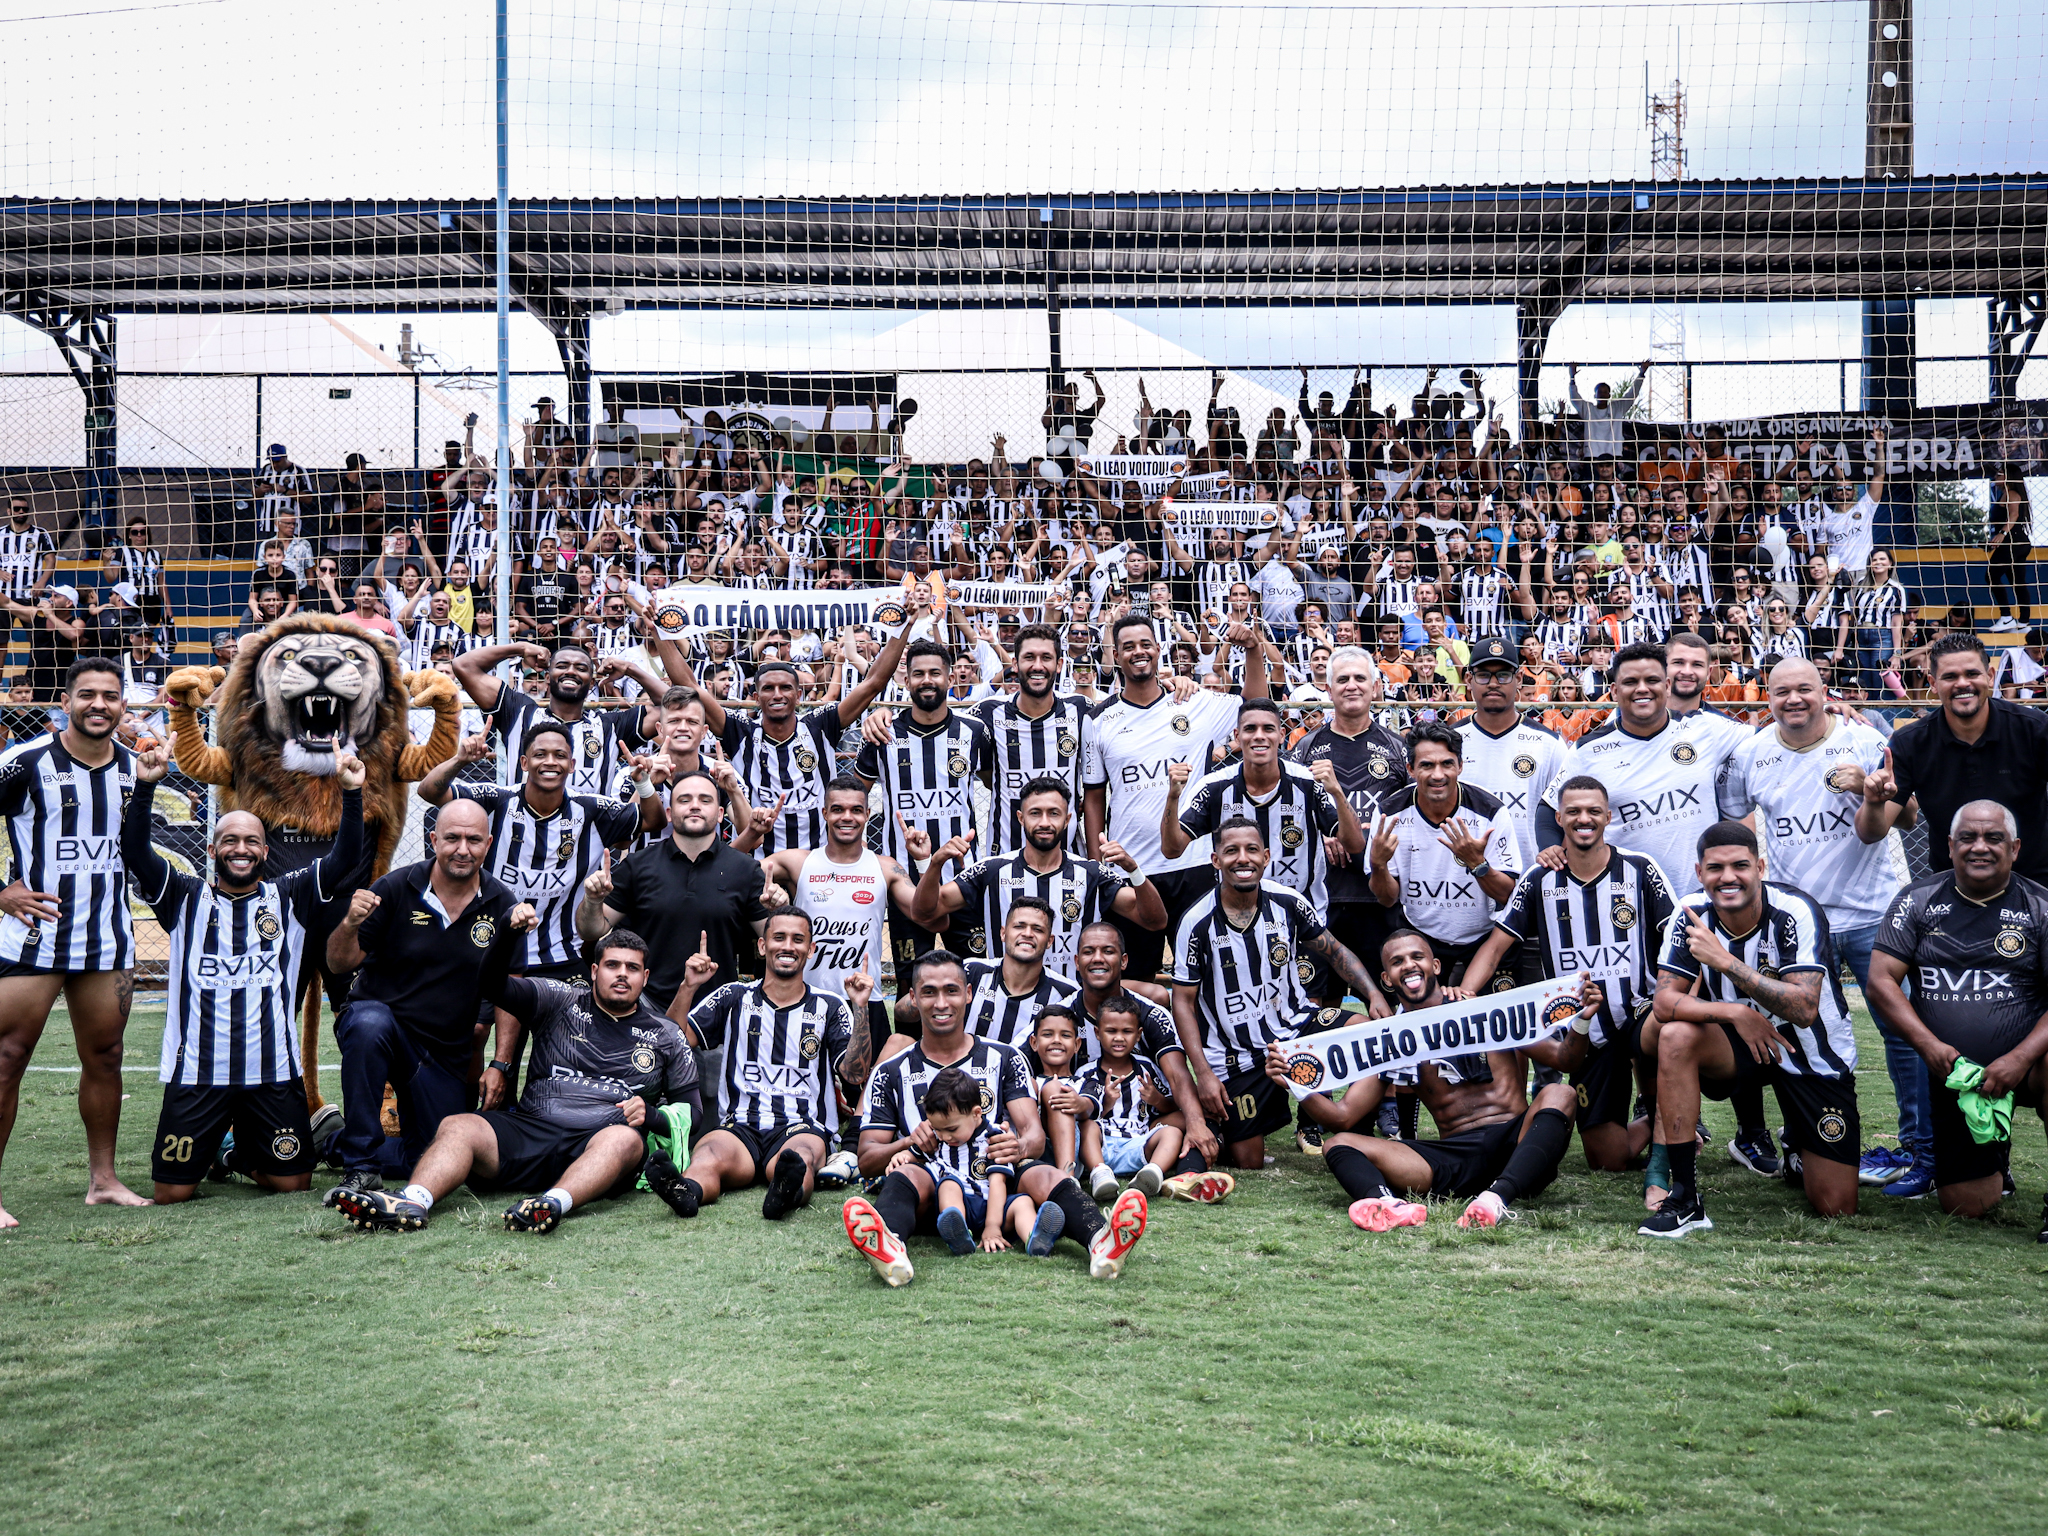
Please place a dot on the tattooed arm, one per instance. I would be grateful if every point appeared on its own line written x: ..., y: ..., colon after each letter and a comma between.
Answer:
x: 1351, y: 971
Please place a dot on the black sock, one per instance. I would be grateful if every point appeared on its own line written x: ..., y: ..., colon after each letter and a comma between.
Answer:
x: 1083, y: 1219
x: 1191, y: 1161
x: 1409, y: 1109
x: 1685, y: 1162
x: 1353, y: 1170
x: 896, y: 1204
x: 1748, y: 1104
x: 1533, y: 1163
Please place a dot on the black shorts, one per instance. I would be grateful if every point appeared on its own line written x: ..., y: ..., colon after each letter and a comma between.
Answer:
x: 533, y: 1153
x: 1821, y: 1118
x: 764, y: 1145
x: 1145, y: 950
x: 272, y: 1132
x: 1958, y: 1156
x: 1466, y: 1163
x: 1257, y: 1107
x: 1606, y: 1082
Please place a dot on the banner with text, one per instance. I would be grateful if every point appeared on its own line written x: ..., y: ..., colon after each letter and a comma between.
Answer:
x: 1945, y: 443
x: 999, y: 594
x: 1222, y: 514
x: 680, y: 609
x: 1153, y: 472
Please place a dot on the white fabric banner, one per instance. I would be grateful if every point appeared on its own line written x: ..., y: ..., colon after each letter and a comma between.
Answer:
x: 679, y: 608
x: 1153, y: 472
x: 999, y: 594
x: 1499, y: 1021
x: 1223, y: 514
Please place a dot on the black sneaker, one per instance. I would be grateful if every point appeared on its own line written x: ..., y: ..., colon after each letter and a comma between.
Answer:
x: 532, y: 1214
x: 326, y: 1136
x: 681, y: 1195
x: 1682, y: 1211
x: 1310, y: 1139
x: 359, y: 1181
x: 785, y: 1187
x: 1388, y: 1121
x: 1754, y: 1151
x: 374, y: 1210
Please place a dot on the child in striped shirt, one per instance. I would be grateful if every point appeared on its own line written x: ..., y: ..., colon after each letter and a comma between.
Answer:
x: 975, y: 1193
x: 1129, y: 1124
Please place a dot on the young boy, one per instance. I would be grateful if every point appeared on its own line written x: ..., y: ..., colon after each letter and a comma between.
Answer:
x: 973, y: 1192
x: 1128, y: 1124
x: 1054, y: 1042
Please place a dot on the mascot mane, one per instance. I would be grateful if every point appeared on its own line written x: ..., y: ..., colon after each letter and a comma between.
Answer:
x: 251, y: 735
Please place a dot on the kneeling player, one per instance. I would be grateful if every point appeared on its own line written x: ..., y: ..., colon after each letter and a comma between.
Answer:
x: 1128, y: 1125
x: 1493, y: 1146
x: 602, y: 1061
x: 975, y: 1193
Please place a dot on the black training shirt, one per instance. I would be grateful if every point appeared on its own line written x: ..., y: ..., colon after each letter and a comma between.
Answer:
x: 587, y: 1061
x: 428, y: 972
x: 670, y: 899
x: 2008, y: 763
x: 1978, y: 971
x: 1371, y: 767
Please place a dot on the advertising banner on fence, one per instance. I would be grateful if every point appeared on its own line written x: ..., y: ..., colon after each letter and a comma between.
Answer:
x: 1953, y: 443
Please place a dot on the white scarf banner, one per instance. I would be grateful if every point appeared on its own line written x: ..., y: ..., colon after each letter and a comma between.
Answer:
x: 679, y: 608
x: 1223, y: 514
x: 1000, y: 594
x: 1153, y: 472
x: 1499, y: 1021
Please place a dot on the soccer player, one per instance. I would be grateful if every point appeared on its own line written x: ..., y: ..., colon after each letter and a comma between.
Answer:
x: 1005, y: 995
x: 1075, y: 891
x: 1493, y: 1145
x: 604, y: 1060
x: 230, y: 1063
x: 846, y: 888
x: 66, y: 926
x: 1749, y: 991
x: 1129, y: 1125
x: 1237, y: 988
x: 791, y: 1055
x: 1126, y: 745
x: 1973, y: 942
x: 595, y: 735
x: 1034, y: 734
x: 1445, y: 853
x: 1507, y: 755
x: 1601, y: 916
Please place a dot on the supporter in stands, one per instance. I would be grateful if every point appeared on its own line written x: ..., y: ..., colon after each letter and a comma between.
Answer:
x: 2011, y: 553
x: 54, y: 624
x: 273, y: 575
x: 323, y: 593
x: 142, y: 567
x: 366, y: 610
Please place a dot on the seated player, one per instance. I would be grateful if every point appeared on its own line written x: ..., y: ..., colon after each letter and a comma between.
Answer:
x: 1049, y: 1052
x: 1749, y: 993
x: 1129, y: 1125
x: 975, y: 1193
x: 603, y: 1060
x: 1493, y: 1146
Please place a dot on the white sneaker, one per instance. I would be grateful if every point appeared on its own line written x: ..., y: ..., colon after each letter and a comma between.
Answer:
x: 2007, y: 625
x: 838, y: 1171
x: 1149, y: 1178
x: 1102, y: 1184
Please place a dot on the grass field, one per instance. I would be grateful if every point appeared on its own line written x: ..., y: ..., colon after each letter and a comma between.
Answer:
x: 247, y: 1363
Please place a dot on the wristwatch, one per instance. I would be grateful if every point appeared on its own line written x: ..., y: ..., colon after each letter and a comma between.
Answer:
x: 1480, y: 870
x: 504, y: 1067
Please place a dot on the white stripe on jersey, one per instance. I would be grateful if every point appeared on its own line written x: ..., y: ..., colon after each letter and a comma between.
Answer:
x: 848, y: 906
x: 1080, y: 892
x: 1250, y: 990
x: 1609, y: 927
x: 545, y: 859
x: 228, y: 1015
x: 1118, y: 1108
x: 64, y: 829
x: 799, y: 768
x: 1025, y: 749
x: 21, y: 557
x: 1514, y: 768
x: 1482, y: 600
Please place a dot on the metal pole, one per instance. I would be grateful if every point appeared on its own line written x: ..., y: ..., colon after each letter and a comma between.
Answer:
x: 503, y: 597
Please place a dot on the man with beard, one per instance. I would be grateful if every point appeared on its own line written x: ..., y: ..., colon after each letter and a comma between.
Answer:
x: 595, y: 735
x: 1034, y: 735
x: 1493, y: 1145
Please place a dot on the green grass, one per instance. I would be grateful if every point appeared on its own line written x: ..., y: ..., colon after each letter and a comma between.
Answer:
x: 246, y: 1363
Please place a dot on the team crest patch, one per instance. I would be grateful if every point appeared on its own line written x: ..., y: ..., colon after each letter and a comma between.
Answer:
x: 988, y: 1098
x: 1622, y: 915
x: 591, y: 747
x: 809, y: 1048
x: 979, y: 1167
x: 1180, y: 725
x: 1278, y: 953
x: 956, y: 765
x: 1070, y: 909
x: 266, y: 924
x: 1524, y: 766
x: 805, y: 759
x: 1843, y: 780
x: 888, y: 613
x: 1685, y: 752
x: 1306, y: 970
x: 1831, y: 1127
x: 284, y: 1146
x: 1327, y: 1017
x: 1378, y: 766
x: 565, y: 847
x: 1559, y: 1013
x: 643, y: 1058
x: 1290, y: 835
x: 482, y: 931
x: 1304, y: 1070
x: 1068, y: 744
x: 2010, y: 942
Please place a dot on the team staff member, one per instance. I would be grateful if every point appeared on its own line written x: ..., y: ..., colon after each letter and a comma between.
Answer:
x: 1973, y: 943
x: 1507, y: 754
x: 1976, y: 747
x: 427, y: 943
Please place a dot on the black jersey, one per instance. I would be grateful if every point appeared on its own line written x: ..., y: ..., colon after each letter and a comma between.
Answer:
x: 996, y: 1013
x: 1079, y: 892
x: 1978, y: 970
x: 586, y: 1062
x: 1371, y: 767
x: 795, y: 772
x: 895, y: 1096
x: 1608, y: 927
x: 778, y: 1060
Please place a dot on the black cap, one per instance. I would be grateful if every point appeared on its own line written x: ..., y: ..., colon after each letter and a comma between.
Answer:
x: 1487, y: 651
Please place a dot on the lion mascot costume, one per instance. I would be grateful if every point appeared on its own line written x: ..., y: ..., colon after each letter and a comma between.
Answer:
x: 310, y: 689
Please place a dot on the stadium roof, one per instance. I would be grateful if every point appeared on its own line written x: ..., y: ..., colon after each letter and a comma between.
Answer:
x: 1541, y: 246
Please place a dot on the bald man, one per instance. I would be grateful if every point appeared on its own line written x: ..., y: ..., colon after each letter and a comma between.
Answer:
x: 432, y: 940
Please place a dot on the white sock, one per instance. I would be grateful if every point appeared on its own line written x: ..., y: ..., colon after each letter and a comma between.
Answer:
x: 560, y: 1199
x: 419, y: 1195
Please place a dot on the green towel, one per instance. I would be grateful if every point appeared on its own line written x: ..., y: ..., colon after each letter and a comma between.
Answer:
x: 1988, y: 1119
x: 668, y: 1131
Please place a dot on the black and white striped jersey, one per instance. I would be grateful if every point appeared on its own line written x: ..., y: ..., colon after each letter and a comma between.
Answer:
x: 1561, y: 639
x: 799, y: 768
x: 470, y: 541
x: 143, y: 567
x: 1792, y: 936
x: 927, y: 775
x: 1649, y: 604
x: 1214, y: 580
x: 1609, y: 927
x: 1294, y: 818
x: 1876, y: 605
x: 1483, y: 602
x: 64, y: 828
x: 1080, y: 892
x: 1370, y: 766
x: 595, y: 737
x: 1394, y: 596
x: 425, y: 636
x: 1250, y: 986
x: 1689, y: 567
x: 778, y: 1061
x: 895, y: 1098
x: 1024, y: 749
x: 544, y: 859
x: 967, y: 1165
x: 22, y: 551
x: 995, y: 1013
x: 1119, y: 1109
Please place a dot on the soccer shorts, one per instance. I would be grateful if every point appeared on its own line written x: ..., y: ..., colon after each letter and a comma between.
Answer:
x: 29, y: 968
x: 1466, y: 1163
x: 1958, y: 1156
x: 272, y: 1132
x: 1257, y: 1106
x: 534, y: 1153
x: 1606, y: 1082
x: 1821, y: 1118
x: 765, y: 1143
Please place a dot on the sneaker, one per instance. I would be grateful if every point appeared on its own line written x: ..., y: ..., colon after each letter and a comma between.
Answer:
x: 1102, y: 1184
x: 532, y: 1214
x: 1383, y: 1213
x: 2007, y: 1189
x: 1913, y: 1184
x: 1201, y: 1188
x: 2007, y: 625
x: 1045, y: 1231
x: 374, y: 1210
x: 1754, y: 1151
x: 953, y: 1228
x: 1114, y: 1242
x: 221, y: 1172
x: 1487, y: 1210
x: 1149, y: 1180
x: 1880, y: 1165
x: 1682, y: 1211
x: 838, y: 1171
x: 1794, y: 1169
x: 785, y: 1187
x: 327, y: 1135
x: 362, y: 1181
x: 866, y: 1230
x: 1310, y: 1140
x: 1701, y: 1135
x: 681, y: 1195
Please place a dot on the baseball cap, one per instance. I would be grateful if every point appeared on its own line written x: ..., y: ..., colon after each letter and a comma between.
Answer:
x: 277, y: 450
x: 1490, y: 653
x: 544, y: 400
x: 125, y: 590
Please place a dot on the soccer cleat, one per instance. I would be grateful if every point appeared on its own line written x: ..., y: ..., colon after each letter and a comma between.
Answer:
x: 1309, y: 1139
x: 222, y: 1172
x: 326, y: 1135
x: 1486, y: 1210
x: 374, y: 1210
x: 1102, y: 1184
x: 1754, y: 1151
x: 1913, y: 1184
x: 1149, y: 1179
x: 360, y: 1181
x: 838, y: 1171
x: 1201, y: 1188
x: 681, y: 1195
x: 1119, y: 1235
x: 785, y: 1187
x: 866, y: 1230
x: 1045, y: 1231
x: 1880, y: 1165
x: 1383, y: 1213
x: 1682, y: 1211
x: 953, y: 1228
x: 532, y: 1214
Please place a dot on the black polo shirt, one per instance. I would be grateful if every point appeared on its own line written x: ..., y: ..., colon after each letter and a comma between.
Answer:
x: 428, y: 972
x: 2008, y: 763
x: 671, y: 900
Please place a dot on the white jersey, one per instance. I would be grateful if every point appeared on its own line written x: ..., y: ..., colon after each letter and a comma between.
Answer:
x: 1514, y: 768
x: 1127, y: 746
x: 848, y: 906
x: 1440, y: 897
x: 1663, y: 790
x: 1808, y: 801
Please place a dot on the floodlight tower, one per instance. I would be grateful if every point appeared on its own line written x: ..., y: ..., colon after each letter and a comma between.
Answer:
x: 1667, y: 390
